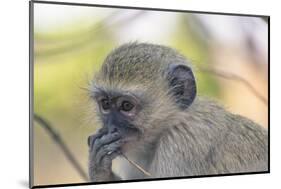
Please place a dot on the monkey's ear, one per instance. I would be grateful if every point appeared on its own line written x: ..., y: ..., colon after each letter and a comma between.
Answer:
x: 182, y: 84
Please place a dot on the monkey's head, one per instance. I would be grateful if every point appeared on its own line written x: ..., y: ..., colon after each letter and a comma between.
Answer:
x: 141, y: 86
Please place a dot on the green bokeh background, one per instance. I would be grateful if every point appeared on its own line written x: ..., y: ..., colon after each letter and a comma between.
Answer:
x: 65, y: 60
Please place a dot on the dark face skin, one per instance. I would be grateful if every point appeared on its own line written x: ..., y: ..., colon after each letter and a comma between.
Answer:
x: 118, y: 112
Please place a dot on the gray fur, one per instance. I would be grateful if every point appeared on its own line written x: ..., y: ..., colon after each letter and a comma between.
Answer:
x: 203, y: 139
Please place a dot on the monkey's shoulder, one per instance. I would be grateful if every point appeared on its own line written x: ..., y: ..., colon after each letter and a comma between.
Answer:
x: 210, y: 112
x: 214, y: 144
x: 207, y: 125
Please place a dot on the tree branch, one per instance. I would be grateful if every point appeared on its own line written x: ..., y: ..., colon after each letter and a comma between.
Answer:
x: 137, y: 166
x: 56, y: 137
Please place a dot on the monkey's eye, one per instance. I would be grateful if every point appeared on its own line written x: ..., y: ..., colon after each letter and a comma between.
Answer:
x: 127, y: 106
x: 105, y: 104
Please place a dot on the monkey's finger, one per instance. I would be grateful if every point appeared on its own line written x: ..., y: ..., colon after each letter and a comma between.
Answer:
x: 104, y: 140
x: 107, y: 159
x: 91, y: 140
x: 108, y: 151
x: 101, y: 155
x: 103, y: 130
x: 99, y: 134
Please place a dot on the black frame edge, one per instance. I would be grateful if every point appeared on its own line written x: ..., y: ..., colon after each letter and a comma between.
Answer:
x: 146, y: 8
x: 268, y: 63
x: 148, y: 180
x: 31, y: 57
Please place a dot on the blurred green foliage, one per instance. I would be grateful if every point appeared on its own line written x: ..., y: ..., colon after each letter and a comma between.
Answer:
x: 60, y: 97
x: 60, y: 68
x: 64, y: 64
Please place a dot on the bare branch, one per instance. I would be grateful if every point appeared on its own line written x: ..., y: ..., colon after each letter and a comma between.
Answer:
x: 137, y: 166
x: 56, y: 137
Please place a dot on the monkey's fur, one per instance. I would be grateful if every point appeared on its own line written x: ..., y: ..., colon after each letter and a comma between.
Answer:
x: 175, y: 137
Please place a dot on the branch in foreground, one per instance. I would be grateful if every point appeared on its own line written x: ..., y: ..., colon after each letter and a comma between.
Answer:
x: 47, y: 126
x: 137, y: 166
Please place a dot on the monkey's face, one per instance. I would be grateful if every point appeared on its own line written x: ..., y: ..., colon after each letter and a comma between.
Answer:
x: 118, y: 113
x: 139, y: 88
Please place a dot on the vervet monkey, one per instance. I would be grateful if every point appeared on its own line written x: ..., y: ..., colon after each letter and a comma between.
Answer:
x: 146, y: 102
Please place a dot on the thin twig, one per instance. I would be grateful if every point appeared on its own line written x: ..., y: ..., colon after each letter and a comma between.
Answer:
x: 232, y: 76
x: 47, y: 126
x: 137, y: 166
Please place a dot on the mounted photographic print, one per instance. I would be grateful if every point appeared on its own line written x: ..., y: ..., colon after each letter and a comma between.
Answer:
x: 124, y: 94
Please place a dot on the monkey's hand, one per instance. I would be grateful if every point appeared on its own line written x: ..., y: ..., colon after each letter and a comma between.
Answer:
x: 104, y: 147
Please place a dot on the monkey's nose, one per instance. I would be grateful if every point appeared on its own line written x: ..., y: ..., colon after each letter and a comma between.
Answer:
x: 113, y: 130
